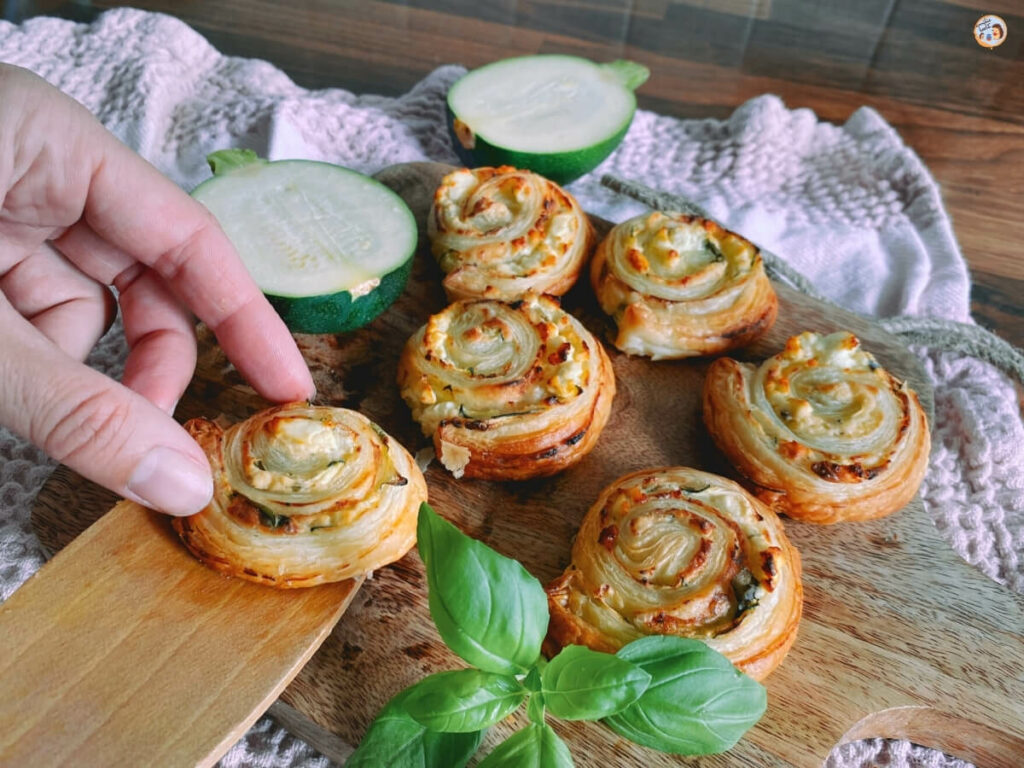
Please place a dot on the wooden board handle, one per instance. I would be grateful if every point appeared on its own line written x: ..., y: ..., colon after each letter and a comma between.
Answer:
x: 123, y: 650
x: 981, y: 744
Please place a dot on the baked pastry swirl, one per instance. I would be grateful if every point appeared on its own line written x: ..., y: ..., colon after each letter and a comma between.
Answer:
x: 675, y: 551
x: 681, y: 286
x: 507, y: 391
x: 823, y: 432
x: 499, y: 232
x: 303, y: 495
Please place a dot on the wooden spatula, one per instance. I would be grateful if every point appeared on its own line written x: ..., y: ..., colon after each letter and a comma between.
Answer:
x: 124, y: 650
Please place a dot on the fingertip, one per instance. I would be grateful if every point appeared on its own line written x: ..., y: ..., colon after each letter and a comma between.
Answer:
x: 305, y: 387
x: 171, y: 482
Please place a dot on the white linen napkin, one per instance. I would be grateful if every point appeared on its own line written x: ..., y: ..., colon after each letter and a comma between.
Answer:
x: 850, y: 206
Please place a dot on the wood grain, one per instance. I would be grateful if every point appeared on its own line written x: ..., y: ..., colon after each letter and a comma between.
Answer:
x: 960, y: 107
x: 123, y: 650
x: 893, y: 618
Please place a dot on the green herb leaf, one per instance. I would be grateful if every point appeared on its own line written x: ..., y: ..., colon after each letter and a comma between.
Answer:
x: 698, y: 703
x: 396, y: 740
x: 487, y: 607
x: 629, y: 73
x: 536, y: 746
x: 272, y: 519
x: 228, y: 160
x: 581, y: 684
x: 464, y: 700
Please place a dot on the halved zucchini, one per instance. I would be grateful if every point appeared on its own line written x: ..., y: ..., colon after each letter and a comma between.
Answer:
x: 558, y: 116
x: 330, y: 248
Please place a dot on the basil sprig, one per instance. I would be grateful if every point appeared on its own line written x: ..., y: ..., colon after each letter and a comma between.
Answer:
x: 668, y: 693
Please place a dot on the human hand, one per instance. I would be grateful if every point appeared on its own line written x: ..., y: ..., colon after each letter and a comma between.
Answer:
x: 80, y: 212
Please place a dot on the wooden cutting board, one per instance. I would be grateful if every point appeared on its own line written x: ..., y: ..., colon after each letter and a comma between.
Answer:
x: 900, y: 637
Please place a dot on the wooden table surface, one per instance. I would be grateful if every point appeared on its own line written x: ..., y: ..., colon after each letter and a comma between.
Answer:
x: 960, y: 106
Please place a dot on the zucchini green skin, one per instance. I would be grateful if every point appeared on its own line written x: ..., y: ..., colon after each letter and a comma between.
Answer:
x: 559, y: 167
x: 337, y: 312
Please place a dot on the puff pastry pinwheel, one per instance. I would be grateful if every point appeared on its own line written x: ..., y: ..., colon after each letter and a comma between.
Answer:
x: 675, y: 551
x: 681, y: 286
x: 821, y: 430
x: 499, y: 232
x: 508, y: 391
x: 303, y: 495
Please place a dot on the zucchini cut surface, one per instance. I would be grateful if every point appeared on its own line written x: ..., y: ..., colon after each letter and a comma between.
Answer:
x: 318, y: 239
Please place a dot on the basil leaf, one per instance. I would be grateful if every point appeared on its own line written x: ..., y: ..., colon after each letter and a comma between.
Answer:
x: 581, y: 684
x: 463, y: 700
x: 487, y: 607
x: 698, y: 703
x: 536, y: 746
x: 396, y: 740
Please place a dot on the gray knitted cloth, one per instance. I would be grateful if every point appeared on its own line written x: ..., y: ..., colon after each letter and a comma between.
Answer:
x: 849, y: 206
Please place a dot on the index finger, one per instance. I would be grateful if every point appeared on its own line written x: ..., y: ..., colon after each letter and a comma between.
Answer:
x: 139, y: 211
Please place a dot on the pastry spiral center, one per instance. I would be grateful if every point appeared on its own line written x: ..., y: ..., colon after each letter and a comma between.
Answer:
x: 498, y: 202
x: 297, y: 454
x: 832, y: 397
x: 665, y: 546
x: 670, y: 561
x: 488, y: 340
x: 675, y: 258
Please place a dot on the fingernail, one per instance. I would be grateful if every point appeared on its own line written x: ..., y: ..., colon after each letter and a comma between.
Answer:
x: 171, y: 482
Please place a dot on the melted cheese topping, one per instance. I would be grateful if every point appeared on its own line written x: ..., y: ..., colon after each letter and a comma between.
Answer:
x: 824, y: 401
x: 486, y: 359
x: 677, y: 257
x: 499, y: 233
x: 677, y: 285
x: 305, y: 463
x: 454, y: 458
x: 681, y: 552
x: 297, y: 454
x: 821, y: 430
x: 304, y: 495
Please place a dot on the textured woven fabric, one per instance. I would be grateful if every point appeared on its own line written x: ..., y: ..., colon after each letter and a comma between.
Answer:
x: 850, y: 206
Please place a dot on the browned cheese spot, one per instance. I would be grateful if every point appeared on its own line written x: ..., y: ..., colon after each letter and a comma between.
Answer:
x: 637, y: 260
x: 608, y: 536
x: 792, y: 450
x: 561, y: 354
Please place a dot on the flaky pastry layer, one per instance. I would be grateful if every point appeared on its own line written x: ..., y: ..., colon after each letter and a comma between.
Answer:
x: 676, y: 551
x: 303, y: 495
x: 507, y: 391
x: 821, y: 430
x: 499, y: 233
x: 681, y: 286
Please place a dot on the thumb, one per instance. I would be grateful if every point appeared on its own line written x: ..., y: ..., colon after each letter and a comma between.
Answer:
x: 102, y: 430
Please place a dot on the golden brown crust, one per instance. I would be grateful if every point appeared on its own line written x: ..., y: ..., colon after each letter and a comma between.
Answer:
x: 303, y: 495
x: 681, y: 286
x: 680, y: 552
x: 821, y: 431
x: 507, y: 391
x: 499, y: 233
